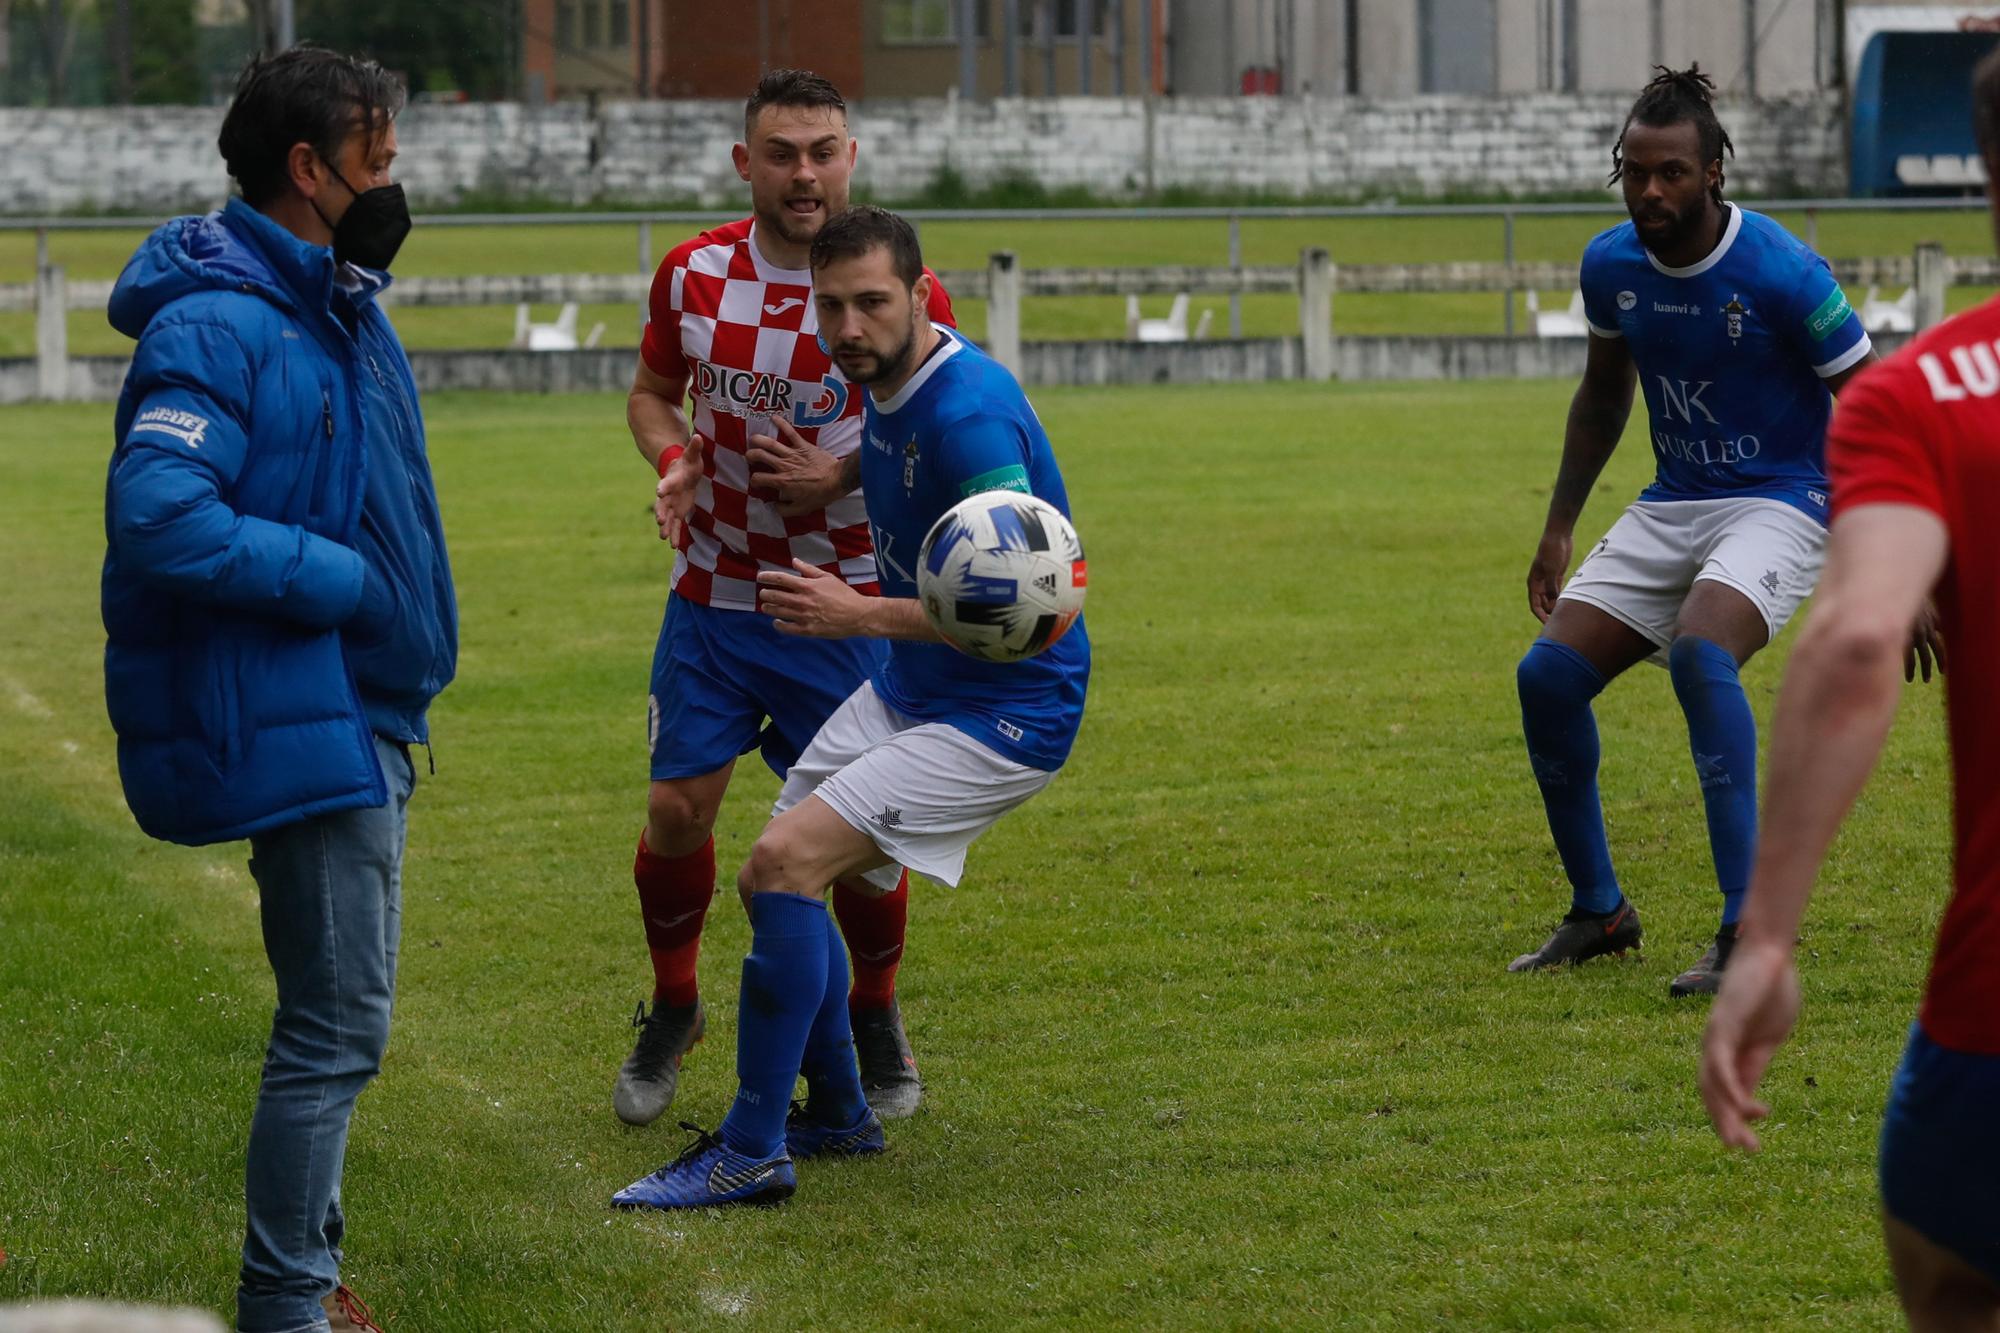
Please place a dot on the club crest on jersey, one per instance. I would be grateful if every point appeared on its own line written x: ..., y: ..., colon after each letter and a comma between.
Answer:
x: 1626, y: 300
x: 1732, y: 314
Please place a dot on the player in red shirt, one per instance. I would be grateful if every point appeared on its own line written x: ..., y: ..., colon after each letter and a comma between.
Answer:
x: 1914, y: 456
x: 733, y: 330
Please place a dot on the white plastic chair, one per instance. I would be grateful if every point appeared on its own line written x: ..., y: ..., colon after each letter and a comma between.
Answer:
x: 1172, y: 329
x: 1897, y: 316
x: 1914, y: 169
x: 557, y: 337
x: 1949, y: 169
x: 1568, y: 323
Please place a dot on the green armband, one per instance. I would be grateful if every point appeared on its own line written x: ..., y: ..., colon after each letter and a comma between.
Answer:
x: 1013, y: 477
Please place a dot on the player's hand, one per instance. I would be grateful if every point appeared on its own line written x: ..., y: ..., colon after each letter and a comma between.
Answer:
x: 1753, y: 1015
x: 1545, y: 576
x: 813, y: 603
x: 804, y: 476
x: 673, y: 498
x: 1926, y: 645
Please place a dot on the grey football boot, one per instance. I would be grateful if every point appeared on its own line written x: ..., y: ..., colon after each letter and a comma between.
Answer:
x: 649, y: 1076
x: 1581, y: 936
x: 1705, y: 976
x: 889, y: 1077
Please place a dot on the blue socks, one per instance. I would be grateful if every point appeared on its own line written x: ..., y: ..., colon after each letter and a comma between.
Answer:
x: 1722, y: 735
x: 784, y: 984
x: 1557, y: 685
x: 833, y: 1078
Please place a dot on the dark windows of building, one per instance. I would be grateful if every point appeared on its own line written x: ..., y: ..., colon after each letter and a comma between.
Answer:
x: 1065, y: 16
x: 927, y: 20
x: 1459, y: 46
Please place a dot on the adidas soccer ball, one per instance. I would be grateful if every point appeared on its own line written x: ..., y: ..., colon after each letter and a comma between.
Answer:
x: 1001, y: 575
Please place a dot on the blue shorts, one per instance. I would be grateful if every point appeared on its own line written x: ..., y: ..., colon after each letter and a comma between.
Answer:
x: 727, y: 682
x: 1940, y: 1161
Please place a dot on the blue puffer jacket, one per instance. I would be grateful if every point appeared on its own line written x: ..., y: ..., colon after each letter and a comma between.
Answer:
x: 276, y: 587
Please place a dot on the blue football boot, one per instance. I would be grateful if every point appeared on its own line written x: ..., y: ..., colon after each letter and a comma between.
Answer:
x: 707, y: 1174
x: 806, y: 1137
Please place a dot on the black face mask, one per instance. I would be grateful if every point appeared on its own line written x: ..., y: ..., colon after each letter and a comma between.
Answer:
x: 372, y: 229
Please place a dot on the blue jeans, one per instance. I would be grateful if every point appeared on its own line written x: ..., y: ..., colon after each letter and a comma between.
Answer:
x: 332, y: 891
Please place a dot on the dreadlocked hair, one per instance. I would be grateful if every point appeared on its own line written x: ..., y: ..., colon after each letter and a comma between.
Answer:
x: 1676, y: 97
x: 1986, y: 105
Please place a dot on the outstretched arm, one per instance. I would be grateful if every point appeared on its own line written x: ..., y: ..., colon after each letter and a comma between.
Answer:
x: 1833, y: 715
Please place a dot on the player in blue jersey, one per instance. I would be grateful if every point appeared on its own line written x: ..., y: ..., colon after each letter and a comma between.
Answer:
x: 924, y: 757
x: 1737, y: 334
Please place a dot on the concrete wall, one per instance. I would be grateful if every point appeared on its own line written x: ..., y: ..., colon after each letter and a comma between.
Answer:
x: 161, y: 159
x: 1215, y: 361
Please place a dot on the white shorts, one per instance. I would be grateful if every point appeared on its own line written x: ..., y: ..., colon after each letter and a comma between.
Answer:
x: 922, y: 790
x: 1641, y: 571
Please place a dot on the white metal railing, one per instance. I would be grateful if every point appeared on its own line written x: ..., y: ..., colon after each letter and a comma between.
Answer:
x: 1315, y: 280
x: 1505, y: 214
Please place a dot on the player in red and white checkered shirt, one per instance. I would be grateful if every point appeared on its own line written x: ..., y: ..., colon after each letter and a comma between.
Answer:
x: 733, y: 328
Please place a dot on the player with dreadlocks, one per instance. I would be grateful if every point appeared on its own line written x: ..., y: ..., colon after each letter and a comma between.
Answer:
x: 1738, y: 335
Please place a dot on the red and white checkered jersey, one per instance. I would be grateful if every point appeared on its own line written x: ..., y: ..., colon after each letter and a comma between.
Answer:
x: 745, y: 337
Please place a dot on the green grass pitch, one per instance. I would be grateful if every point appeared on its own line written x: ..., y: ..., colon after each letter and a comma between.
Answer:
x: 1217, y: 1033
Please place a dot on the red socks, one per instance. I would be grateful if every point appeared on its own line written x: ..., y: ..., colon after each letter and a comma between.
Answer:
x: 873, y: 928
x: 674, y: 894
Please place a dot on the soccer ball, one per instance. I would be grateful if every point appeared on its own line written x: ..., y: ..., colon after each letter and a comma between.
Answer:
x: 1001, y: 575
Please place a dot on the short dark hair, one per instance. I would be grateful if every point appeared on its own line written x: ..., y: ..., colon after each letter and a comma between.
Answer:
x: 1676, y: 97
x: 1986, y: 105
x: 791, y: 87
x: 864, y: 228
x: 305, y: 95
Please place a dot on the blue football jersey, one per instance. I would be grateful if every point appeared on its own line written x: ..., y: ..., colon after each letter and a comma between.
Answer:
x: 959, y: 427
x: 1732, y: 355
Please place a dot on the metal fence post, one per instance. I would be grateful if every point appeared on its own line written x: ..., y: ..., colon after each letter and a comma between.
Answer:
x: 1235, y: 262
x: 645, y: 267
x: 1933, y: 276
x: 1316, y: 313
x: 1507, y: 253
x: 51, y: 334
x: 1003, y: 310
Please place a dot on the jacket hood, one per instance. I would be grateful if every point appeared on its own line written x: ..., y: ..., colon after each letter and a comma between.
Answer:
x: 235, y: 249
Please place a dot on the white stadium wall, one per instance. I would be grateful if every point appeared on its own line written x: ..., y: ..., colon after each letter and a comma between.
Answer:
x: 163, y: 159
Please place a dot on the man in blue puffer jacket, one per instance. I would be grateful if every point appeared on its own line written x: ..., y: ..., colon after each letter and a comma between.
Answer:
x: 279, y: 607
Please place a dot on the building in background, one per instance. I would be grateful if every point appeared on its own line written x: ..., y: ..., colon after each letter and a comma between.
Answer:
x: 82, y: 52
x: 596, y: 48
x: 869, y: 48
x: 1401, y: 48
x: 1039, y: 48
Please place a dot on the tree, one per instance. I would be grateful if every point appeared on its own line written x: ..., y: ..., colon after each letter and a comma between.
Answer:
x: 464, y: 44
x: 162, y: 52
x: 58, y: 34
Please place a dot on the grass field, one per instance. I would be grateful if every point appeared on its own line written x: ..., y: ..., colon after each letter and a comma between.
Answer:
x: 1217, y: 1034
x: 582, y: 248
